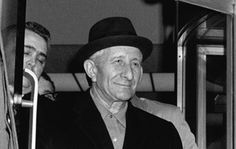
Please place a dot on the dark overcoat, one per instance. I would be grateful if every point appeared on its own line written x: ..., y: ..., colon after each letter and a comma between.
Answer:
x: 85, y: 129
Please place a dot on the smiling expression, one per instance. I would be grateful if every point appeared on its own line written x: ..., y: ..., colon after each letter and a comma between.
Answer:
x: 117, y: 73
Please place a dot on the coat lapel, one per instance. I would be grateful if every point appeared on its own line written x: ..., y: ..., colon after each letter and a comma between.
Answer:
x: 89, y: 120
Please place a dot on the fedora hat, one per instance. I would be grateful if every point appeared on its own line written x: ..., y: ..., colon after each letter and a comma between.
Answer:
x: 114, y: 31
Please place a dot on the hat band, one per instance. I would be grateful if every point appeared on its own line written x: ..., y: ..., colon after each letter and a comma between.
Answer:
x: 110, y: 34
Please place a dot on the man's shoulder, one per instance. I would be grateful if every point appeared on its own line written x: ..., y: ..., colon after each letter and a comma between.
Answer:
x: 160, y: 104
x: 157, y: 125
x: 151, y: 119
x: 155, y: 107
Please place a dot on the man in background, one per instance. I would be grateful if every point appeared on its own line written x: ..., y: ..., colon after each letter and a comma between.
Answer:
x: 36, y: 45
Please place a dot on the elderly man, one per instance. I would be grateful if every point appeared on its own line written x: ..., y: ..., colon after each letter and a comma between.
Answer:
x: 36, y: 45
x: 104, y: 118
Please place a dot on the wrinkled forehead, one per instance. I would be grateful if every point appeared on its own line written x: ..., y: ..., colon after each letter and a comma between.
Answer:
x: 120, y: 51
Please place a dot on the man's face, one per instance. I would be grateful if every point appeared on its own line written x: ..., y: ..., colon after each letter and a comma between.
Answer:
x: 118, y: 73
x: 35, y: 55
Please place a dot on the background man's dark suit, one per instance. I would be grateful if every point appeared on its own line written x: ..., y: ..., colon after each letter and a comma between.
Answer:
x: 85, y: 129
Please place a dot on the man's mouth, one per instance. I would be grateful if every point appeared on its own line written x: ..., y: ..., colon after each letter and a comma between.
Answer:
x: 127, y: 85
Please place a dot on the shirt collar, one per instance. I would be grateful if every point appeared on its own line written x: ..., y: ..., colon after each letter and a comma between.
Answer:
x: 117, y: 109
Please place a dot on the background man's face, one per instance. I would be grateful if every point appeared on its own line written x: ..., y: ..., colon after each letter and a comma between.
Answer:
x: 35, y: 55
x: 35, y: 52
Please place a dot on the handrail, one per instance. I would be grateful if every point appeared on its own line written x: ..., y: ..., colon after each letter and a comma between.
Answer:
x: 32, y: 103
x: 187, y: 29
x: 184, y: 36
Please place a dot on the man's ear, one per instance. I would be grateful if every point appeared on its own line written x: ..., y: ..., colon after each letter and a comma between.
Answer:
x: 90, y: 69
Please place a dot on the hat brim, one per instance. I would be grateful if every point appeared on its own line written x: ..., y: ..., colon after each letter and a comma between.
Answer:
x: 143, y: 44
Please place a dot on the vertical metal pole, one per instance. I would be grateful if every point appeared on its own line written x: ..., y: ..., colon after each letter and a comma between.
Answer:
x: 201, y: 98
x: 181, y: 73
x: 180, y: 76
x: 20, y: 35
x: 230, y: 84
x: 33, y: 104
x: 233, y: 47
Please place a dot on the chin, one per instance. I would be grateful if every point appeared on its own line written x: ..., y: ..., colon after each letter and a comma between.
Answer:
x: 26, y: 88
x: 125, y: 97
x: 26, y: 83
x: 122, y: 94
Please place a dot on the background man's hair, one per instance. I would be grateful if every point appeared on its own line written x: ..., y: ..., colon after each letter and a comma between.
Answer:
x: 9, y: 33
x: 39, y: 29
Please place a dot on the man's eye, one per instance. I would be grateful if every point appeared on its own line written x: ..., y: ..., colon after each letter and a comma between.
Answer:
x: 41, y: 61
x: 26, y: 53
x: 120, y: 62
x: 137, y: 64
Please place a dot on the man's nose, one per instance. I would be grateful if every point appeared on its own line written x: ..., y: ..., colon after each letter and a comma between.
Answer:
x: 30, y: 63
x: 128, y: 72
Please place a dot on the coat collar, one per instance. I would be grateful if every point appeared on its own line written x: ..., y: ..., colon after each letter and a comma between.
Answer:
x: 89, y: 120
